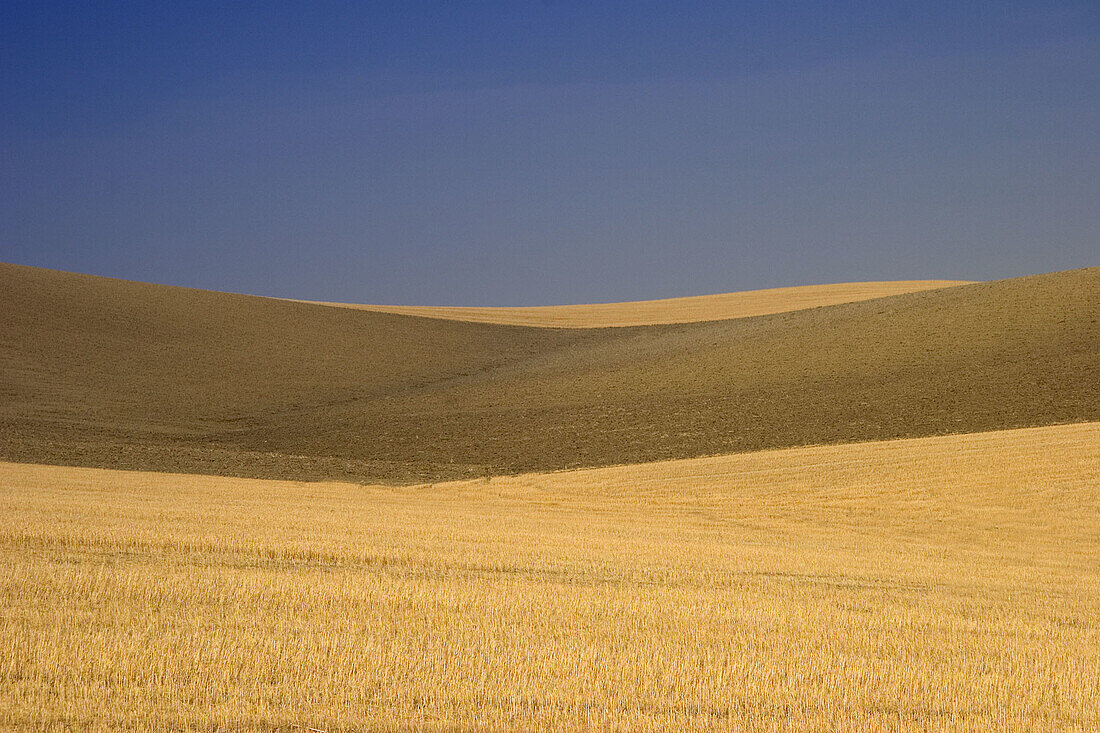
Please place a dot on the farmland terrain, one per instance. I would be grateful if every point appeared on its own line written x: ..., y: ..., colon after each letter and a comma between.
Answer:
x: 108, y: 373
x: 856, y: 507
x: 946, y: 583
x: 693, y: 309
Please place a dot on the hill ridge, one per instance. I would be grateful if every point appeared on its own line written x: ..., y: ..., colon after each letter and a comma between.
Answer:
x: 112, y: 373
x: 687, y: 309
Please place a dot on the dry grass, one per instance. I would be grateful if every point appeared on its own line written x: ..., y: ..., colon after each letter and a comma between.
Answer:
x: 669, y: 310
x: 948, y: 583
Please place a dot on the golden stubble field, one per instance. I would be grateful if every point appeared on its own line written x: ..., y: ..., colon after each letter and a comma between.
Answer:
x: 948, y: 583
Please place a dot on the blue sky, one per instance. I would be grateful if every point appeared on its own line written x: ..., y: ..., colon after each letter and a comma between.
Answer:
x: 548, y: 152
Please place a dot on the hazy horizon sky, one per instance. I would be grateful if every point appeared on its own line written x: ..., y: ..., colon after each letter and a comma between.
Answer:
x: 528, y: 153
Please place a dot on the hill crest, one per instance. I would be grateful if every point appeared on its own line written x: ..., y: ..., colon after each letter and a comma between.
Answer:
x: 118, y: 374
x: 690, y: 309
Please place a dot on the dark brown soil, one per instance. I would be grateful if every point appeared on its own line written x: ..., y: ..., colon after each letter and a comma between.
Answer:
x: 101, y: 372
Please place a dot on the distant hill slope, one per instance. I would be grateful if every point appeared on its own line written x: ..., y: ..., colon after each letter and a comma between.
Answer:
x: 670, y: 310
x: 102, y: 372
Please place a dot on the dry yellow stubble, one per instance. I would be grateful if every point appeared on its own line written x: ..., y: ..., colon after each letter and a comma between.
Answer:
x: 948, y: 583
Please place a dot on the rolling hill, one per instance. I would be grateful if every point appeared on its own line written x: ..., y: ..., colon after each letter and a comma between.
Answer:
x: 111, y: 373
x: 944, y: 583
x: 693, y: 309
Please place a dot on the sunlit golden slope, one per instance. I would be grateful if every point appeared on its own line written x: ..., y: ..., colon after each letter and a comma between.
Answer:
x: 671, y: 310
x: 948, y: 583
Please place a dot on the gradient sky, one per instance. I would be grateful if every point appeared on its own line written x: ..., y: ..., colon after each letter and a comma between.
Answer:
x: 526, y: 153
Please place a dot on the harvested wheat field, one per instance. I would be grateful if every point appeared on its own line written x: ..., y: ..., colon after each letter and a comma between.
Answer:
x: 719, y: 307
x: 941, y: 583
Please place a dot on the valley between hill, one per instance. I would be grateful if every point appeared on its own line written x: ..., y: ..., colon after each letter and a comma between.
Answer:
x: 109, y: 373
x: 693, y: 309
